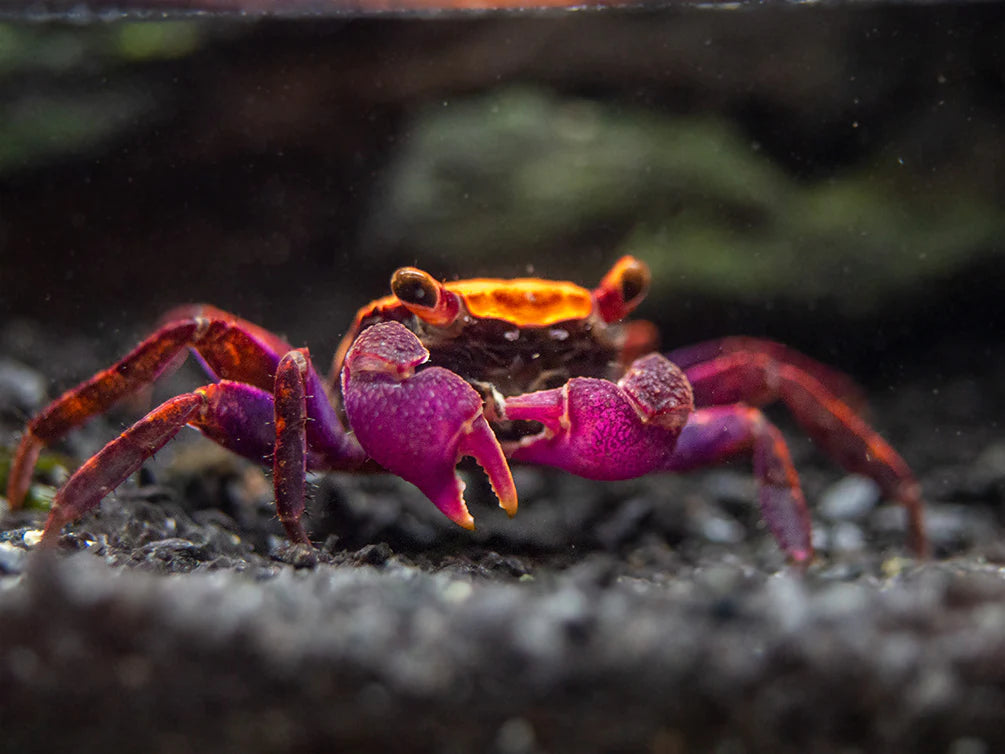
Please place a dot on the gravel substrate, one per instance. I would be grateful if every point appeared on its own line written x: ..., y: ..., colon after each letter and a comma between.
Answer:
x: 654, y: 615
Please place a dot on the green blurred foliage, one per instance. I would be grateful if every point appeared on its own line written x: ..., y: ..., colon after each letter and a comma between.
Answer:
x: 48, y: 126
x: 65, y: 48
x: 67, y: 89
x: 520, y: 169
x: 50, y: 466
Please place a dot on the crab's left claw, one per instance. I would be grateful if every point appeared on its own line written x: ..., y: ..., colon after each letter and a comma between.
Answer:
x: 418, y: 425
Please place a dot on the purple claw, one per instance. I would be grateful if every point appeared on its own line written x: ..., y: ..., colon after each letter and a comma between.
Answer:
x: 418, y: 425
x: 600, y: 430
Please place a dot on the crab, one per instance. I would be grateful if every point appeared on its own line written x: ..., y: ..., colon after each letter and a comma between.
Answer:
x: 517, y: 370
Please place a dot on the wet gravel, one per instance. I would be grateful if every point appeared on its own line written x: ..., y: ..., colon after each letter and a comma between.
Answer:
x: 655, y: 615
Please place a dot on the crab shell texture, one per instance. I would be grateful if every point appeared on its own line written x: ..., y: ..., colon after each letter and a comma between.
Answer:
x: 529, y: 370
x: 517, y: 335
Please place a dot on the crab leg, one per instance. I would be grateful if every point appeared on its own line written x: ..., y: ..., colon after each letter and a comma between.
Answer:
x: 418, y: 424
x: 757, y: 372
x: 228, y: 347
x: 837, y: 382
x: 239, y: 417
x: 289, y: 463
x: 715, y: 434
x: 117, y: 460
x: 141, y: 366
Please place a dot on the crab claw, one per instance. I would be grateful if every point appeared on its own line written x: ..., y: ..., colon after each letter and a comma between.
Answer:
x: 602, y: 430
x: 418, y: 425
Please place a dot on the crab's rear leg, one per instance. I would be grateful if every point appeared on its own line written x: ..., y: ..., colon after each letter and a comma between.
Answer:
x: 758, y: 372
x: 291, y: 426
x: 228, y: 347
x: 418, y: 424
x: 241, y: 413
x: 117, y: 460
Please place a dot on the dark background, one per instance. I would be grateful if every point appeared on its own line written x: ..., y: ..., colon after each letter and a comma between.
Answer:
x: 828, y: 176
x: 831, y: 177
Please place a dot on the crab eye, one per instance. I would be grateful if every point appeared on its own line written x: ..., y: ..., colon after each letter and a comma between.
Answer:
x: 634, y: 282
x: 424, y: 297
x: 622, y: 289
x: 415, y: 288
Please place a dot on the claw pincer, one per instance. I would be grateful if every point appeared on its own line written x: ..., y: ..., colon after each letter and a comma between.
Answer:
x: 419, y: 424
x: 602, y: 430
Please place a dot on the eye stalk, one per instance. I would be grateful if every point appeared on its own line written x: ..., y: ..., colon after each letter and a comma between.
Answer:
x: 622, y: 289
x: 424, y: 296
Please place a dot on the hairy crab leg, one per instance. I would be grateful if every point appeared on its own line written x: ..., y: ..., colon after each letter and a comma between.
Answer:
x: 757, y: 377
x: 117, y: 460
x: 289, y: 462
x: 418, y: 424
x: 238, y: 416
x: 715, y: 434
x: 270, y: 341
x: 142, y: 365
x: 230, y: 349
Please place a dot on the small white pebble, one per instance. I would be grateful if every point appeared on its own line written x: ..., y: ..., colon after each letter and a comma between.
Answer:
x: 850, y: 498
x: 847, y: 537
x: 722, y: 530
x: 457, y: 591
x: 32, y: 537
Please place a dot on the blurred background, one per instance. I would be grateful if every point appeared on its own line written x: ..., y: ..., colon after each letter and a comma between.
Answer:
x: 829, y: 176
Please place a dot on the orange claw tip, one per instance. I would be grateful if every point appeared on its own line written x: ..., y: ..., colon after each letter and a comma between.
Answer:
x: 458, y: 513
x: 509, y: 506
x: 480, y: 443
x: 447, y: 494
x: 507, y: 497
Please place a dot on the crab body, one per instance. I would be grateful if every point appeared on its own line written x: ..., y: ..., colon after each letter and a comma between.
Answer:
x: 528, y: 370
x: 516, y: 335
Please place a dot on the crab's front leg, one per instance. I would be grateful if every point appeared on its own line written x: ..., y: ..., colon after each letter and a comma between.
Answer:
x: 418, y: 424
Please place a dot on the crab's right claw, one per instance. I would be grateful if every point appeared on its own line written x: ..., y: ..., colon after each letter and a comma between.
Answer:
x: 418, y: 425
